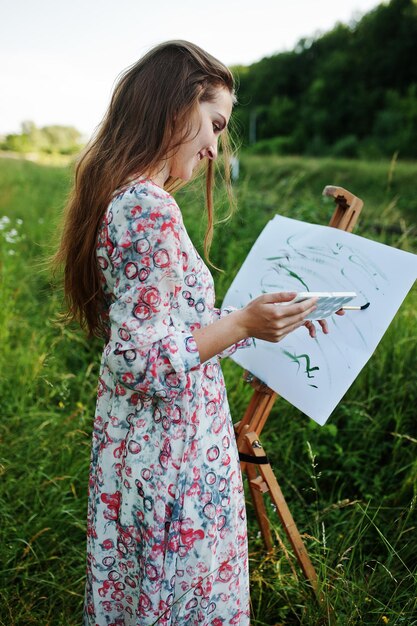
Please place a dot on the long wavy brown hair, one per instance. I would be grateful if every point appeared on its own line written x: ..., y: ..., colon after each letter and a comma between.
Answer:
x: 146, y: 122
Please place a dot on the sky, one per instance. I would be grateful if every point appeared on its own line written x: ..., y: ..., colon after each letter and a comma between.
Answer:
x: 59, y: 59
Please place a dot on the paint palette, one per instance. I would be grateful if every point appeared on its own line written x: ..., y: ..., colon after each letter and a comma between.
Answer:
x: 328, y: 302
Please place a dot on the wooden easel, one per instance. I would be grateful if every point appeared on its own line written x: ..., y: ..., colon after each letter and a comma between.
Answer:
x: 254, y: 462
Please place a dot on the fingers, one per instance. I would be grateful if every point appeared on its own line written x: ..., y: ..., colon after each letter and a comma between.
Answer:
x: 311, y: 328
x: 324, y: 326
x: 281, y: 296
x: 277, y: 309
x: 279, y: 335
x: 297, y: 311
x: 278, y: 330
x: 289, y: 310
x: 265, y: 319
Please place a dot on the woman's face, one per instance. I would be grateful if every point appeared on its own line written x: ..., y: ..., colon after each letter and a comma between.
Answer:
x: 208, y: 122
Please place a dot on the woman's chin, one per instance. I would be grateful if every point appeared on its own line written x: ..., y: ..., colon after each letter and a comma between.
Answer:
x: 186, y: 174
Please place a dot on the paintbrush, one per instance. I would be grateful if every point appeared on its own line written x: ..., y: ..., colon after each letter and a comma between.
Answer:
x: 356, y: 308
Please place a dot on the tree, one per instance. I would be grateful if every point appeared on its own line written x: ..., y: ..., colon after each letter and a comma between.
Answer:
x: 50, y: 139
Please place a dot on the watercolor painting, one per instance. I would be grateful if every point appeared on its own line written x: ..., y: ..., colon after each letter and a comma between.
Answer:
x: 289, y: 255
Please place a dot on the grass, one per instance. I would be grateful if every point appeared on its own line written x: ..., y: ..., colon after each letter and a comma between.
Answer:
x: 351, y: 485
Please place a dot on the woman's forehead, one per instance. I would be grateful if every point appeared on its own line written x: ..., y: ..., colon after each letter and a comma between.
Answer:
x: 221, y: 103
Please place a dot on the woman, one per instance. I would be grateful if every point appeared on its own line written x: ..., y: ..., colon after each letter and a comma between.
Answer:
x: 166, y: 514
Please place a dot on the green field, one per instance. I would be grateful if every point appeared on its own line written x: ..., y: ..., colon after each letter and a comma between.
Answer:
x: 351, y: 485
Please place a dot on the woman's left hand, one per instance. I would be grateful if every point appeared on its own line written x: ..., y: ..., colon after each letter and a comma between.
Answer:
x: 309, y: 324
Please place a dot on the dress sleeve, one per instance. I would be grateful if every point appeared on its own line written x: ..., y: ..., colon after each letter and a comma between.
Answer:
x: 146, y: 352
x: 244, y: 343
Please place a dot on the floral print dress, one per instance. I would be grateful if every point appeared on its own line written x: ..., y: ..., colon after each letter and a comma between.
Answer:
x: 166, y: 539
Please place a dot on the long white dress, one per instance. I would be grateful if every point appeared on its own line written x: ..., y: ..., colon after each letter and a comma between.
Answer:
x: 167, y: 540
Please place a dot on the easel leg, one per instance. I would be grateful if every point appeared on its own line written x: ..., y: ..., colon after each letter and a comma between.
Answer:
x: 259, y: 504
x: 267, y: 482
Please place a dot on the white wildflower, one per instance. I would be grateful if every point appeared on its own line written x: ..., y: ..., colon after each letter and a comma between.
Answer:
x: 4, y: 221
x: 11, y: 236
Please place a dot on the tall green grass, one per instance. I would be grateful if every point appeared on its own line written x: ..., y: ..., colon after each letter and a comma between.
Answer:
x: 351, y: 485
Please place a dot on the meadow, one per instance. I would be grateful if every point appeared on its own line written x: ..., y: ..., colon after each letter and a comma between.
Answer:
x: 351, y: 485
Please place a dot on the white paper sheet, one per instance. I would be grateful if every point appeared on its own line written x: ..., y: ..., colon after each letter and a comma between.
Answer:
x: 289, y: 255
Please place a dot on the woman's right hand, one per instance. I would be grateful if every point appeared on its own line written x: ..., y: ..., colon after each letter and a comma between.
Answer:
x: 264, y: 318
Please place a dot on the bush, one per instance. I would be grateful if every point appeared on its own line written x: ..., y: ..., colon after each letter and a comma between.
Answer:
x: 277, y: 145
x: 347, y: 146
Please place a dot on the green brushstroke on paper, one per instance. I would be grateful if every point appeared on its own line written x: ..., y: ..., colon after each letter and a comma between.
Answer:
x: 297, y: 359
x: 292, y: 274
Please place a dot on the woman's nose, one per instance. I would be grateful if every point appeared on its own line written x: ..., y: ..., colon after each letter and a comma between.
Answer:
x: 211, y: 152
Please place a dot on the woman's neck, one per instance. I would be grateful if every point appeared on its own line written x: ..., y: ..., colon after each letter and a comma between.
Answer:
x: 159, y: 176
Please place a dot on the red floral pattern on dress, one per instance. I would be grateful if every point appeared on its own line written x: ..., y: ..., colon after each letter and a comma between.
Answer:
x: 166, y: 535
